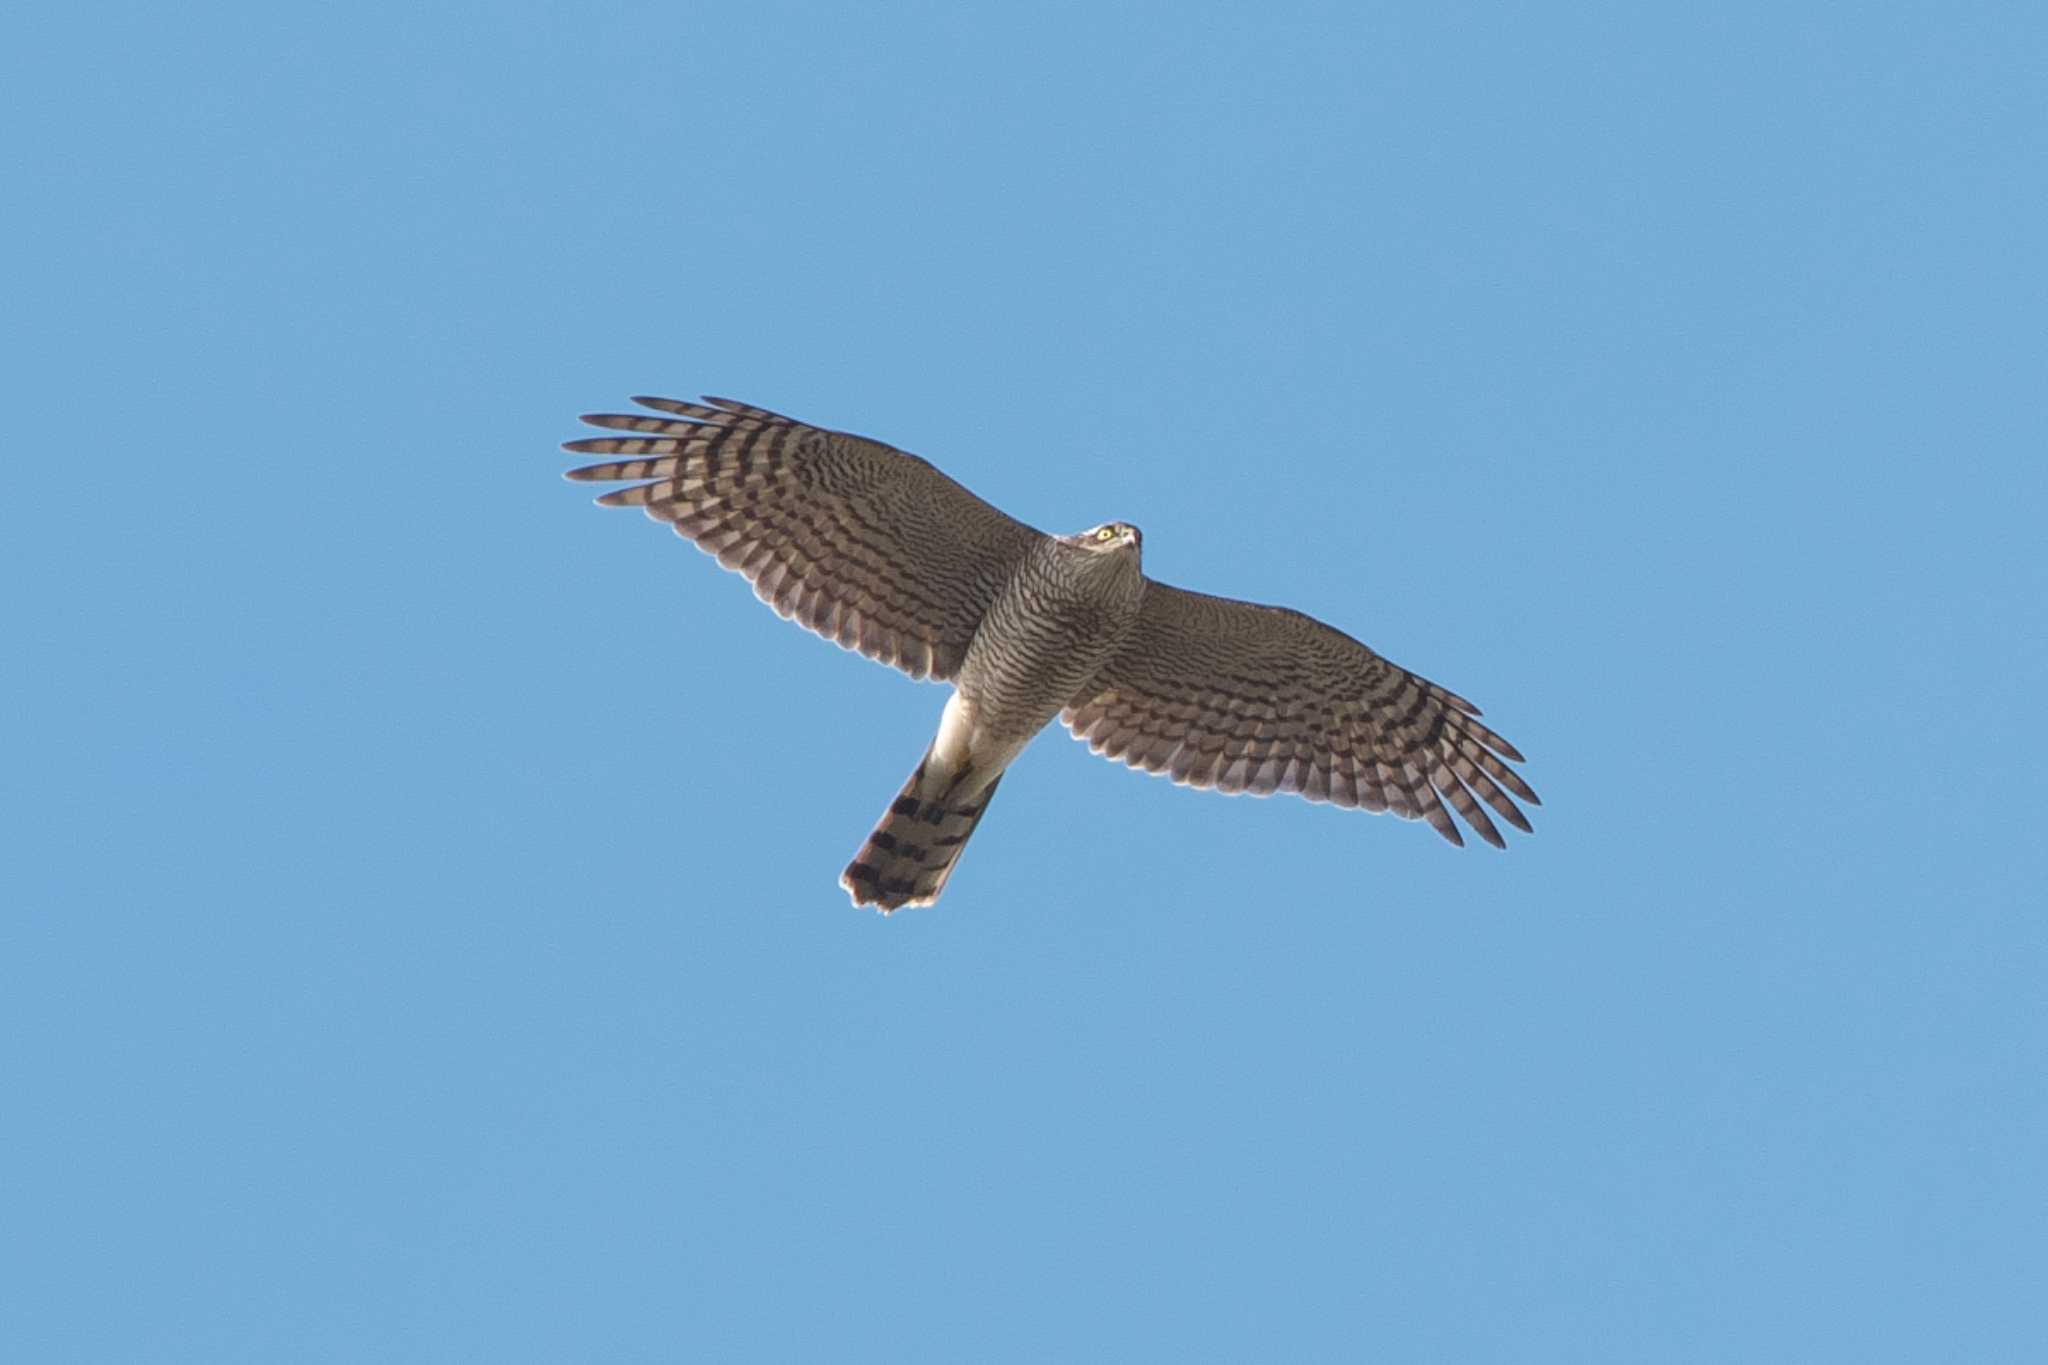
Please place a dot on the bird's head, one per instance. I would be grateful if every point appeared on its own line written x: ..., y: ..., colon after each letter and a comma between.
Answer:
x: 1111, y: 537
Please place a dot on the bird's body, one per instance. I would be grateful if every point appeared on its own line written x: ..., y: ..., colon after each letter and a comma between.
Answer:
x: 1065, y: 609
x: 876, y: 549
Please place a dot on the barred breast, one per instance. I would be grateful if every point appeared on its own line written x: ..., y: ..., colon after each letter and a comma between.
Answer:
x: 1059, y: 618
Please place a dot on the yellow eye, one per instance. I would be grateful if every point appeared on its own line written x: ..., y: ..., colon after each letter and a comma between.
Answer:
x: 1106, y: 533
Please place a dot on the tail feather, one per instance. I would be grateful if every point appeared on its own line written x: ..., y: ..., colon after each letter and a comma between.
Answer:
x: 911, y: 853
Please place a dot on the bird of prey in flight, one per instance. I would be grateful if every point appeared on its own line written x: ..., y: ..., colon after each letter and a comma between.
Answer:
x: 874, y: 548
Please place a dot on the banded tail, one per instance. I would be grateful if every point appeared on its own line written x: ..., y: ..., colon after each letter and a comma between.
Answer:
x: 908, y: 858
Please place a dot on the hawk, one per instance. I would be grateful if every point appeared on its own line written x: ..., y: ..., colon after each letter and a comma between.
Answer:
x: 874, y: 548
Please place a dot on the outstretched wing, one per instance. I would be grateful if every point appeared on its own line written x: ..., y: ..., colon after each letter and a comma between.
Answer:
x: 859, y: 541
x: 1244, y: 698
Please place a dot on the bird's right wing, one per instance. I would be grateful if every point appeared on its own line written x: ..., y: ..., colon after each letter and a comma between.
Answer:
x: 858, y: 541
x: 1244, y: 698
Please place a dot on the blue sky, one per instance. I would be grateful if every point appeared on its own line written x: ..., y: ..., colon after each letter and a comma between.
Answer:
x: 425, y: 943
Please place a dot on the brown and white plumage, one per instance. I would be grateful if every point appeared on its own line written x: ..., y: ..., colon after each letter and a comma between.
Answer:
x: 877, y: 550
x: 1244, y: 698
x: 858, y: 541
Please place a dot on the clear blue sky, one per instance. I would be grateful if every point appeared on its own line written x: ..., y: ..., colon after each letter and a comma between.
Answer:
x: 422, y: 941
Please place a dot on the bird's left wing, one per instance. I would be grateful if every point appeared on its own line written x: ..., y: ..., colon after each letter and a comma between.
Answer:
x: 1244, y: 698
x: 859, y: 541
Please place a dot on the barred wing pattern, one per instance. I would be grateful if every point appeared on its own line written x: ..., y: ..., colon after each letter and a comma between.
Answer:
x: 1245, y: 698
x: 864, y: 544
